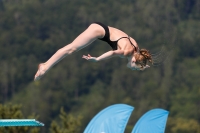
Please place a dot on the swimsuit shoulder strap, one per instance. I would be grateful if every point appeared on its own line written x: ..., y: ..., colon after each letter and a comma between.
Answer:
x: 132, y: 43
x: 129, y: 40
x: 121, y: 38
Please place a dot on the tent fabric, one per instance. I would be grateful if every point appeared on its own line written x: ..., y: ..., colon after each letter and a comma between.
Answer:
x: 112, y: 119
x: 154, y: 121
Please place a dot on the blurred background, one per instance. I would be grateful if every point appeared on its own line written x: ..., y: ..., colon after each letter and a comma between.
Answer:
x: 31, y: 31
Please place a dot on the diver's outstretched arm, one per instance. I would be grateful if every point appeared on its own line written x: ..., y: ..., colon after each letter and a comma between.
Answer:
x: 104, y: 56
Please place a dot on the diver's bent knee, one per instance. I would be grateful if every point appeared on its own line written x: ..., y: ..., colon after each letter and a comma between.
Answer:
x: 72, y: 50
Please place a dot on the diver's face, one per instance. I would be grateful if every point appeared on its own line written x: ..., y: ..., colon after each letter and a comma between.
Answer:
x: 133, y: 66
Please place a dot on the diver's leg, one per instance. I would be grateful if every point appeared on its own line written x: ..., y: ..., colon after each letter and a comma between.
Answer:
x: 93, y: 32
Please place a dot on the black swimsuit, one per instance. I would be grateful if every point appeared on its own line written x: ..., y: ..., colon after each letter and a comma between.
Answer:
x: 106, y: 37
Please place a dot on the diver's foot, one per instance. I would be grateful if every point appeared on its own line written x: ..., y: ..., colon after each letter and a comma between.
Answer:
x: 41, y: 71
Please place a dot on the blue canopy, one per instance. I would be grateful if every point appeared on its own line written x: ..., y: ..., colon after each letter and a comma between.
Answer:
x: 154, y: 121
x: 112, y: 119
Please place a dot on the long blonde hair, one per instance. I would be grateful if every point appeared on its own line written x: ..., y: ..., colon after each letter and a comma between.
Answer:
x: 142, y: 57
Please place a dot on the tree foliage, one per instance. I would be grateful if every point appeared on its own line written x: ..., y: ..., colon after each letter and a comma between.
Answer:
x: 69, y: 123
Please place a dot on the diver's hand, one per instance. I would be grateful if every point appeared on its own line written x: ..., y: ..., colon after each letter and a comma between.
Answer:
x: 90, y: 58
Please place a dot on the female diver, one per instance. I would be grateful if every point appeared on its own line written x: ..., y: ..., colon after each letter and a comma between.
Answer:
x: 121, y: 43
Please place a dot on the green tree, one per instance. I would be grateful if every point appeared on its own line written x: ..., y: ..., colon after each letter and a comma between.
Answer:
x: 66, y: 124
x: 181, y: 125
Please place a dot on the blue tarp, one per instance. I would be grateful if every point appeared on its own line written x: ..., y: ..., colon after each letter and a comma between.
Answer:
x: 154, y: 121
x: 112, y: 119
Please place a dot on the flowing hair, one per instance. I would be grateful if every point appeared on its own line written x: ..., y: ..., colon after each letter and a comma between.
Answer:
x: 144, y: 56
x: 159, y: 57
